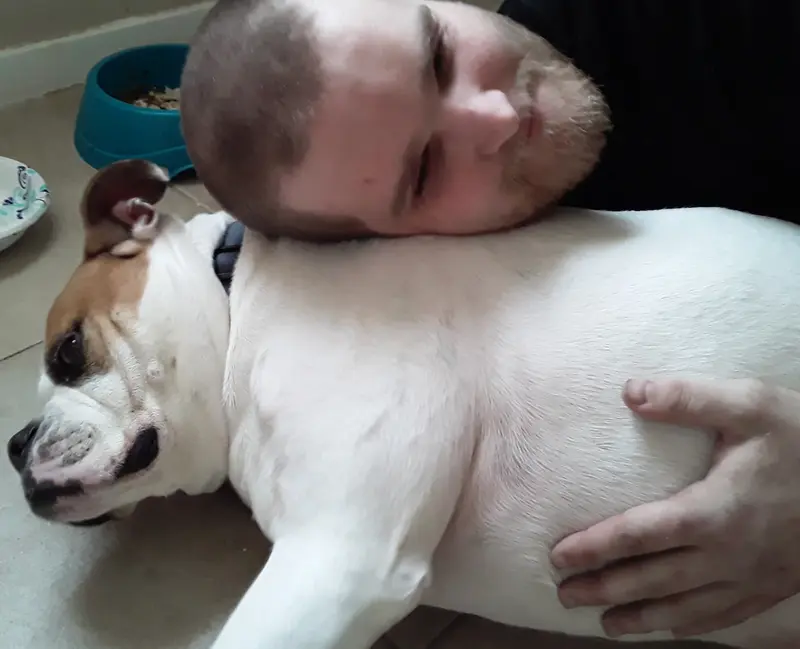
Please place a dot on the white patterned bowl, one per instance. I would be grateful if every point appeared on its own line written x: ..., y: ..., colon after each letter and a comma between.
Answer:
x: 24, y: 198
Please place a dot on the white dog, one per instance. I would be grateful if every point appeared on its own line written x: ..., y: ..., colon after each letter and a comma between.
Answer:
x: 410, y: 421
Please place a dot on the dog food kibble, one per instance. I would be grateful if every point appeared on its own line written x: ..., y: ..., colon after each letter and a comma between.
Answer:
x: 167, y: 99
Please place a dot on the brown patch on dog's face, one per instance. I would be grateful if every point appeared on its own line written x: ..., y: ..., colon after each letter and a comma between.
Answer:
x: 117, y: 204
x: 101, y: 293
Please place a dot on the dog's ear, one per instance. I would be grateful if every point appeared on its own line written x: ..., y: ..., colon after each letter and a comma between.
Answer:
x: 118, y: 207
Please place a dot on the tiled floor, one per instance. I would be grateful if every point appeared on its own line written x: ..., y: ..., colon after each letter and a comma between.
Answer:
x: 167, y: 577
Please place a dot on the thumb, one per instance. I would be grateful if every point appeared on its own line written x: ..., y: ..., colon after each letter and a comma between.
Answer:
x: 738, y: 407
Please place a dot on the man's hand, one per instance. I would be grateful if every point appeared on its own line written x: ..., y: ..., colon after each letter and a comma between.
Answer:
x: 722, y: 550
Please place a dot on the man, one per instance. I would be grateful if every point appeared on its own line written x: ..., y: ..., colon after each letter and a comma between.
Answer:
x: 396, y: 117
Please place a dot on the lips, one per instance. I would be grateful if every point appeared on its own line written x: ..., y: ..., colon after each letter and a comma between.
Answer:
x: 530, y: 127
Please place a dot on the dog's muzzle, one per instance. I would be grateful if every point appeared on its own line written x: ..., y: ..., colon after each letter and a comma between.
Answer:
x: 42, y: 495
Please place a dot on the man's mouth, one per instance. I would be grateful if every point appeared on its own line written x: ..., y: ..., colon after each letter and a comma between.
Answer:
x: 530, y: 127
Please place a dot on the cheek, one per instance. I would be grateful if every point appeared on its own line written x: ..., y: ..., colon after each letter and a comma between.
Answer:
x: 470, y: 200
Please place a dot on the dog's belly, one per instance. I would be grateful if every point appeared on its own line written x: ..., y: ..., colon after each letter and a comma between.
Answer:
x: 526, y: 493
x: 534, y: 483
x: 493, y: 560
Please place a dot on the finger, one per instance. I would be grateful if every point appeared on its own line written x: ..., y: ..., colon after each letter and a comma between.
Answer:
x: 647, y: 529
x: 675, y: 611
x: 730, y: 406
x: 651, y: 577
x: 737, y: 614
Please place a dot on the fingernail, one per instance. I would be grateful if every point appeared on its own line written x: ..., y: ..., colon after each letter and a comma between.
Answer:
x: 568, y: 599
x: 560, y: 560
x: 636, y: 391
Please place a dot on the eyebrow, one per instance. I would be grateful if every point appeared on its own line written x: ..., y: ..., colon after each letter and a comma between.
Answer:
x: 428, y: 32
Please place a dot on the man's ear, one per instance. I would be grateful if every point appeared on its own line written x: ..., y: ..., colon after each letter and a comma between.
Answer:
x: 118, y: 207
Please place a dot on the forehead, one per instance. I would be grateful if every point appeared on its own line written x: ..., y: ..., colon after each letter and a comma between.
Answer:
x: 99, y: 289
x: 373, y: 56
x: 382, y: 29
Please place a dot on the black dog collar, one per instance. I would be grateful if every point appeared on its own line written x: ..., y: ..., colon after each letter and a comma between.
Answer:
x: 226, y: 254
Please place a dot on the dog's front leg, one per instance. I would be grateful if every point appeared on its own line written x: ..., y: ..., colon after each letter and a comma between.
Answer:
x: 317, y: 592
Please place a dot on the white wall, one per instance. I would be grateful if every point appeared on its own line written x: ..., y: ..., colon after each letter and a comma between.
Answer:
x: 27, y: 21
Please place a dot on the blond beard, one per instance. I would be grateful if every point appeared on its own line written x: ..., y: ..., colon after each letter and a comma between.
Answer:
x: 575, y: 121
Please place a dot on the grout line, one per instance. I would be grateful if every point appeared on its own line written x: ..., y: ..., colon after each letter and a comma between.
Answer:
x: 21, y: 351
x: 187, y: 194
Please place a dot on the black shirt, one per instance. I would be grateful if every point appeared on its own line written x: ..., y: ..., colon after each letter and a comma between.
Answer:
x: 704, y: 97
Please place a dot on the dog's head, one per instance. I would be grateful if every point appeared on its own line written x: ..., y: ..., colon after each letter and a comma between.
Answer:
x: 134, y: 360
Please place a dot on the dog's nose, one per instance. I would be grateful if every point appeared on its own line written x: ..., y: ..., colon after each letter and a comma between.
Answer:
x: 19, y: 444
x: 43, y: 494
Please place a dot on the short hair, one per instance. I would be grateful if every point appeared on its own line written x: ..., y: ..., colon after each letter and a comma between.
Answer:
x: 251, y: 80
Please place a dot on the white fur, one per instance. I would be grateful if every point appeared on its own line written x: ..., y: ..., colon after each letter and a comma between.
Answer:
x: 419, y: 421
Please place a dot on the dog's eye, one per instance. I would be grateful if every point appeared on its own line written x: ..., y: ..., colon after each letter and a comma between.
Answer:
x: 70, y: 351
x: 68, y: 361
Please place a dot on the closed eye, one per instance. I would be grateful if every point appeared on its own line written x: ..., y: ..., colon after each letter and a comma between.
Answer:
x: 422, y: 173
x: 441, y: 69
x: 440, y: 56
x: 437, y: 76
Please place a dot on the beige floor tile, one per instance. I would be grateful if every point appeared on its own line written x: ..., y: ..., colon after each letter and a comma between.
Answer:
x: 39, y: 133
x: 194, y: 189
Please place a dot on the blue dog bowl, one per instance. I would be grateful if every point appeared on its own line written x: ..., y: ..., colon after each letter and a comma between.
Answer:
x: 109, y: 128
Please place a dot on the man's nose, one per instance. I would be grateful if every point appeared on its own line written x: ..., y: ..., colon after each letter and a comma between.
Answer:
x: 20, y: 443
x: 484, y: 122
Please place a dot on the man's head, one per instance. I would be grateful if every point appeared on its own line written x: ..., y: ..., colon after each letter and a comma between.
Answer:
x: 396, y: 117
